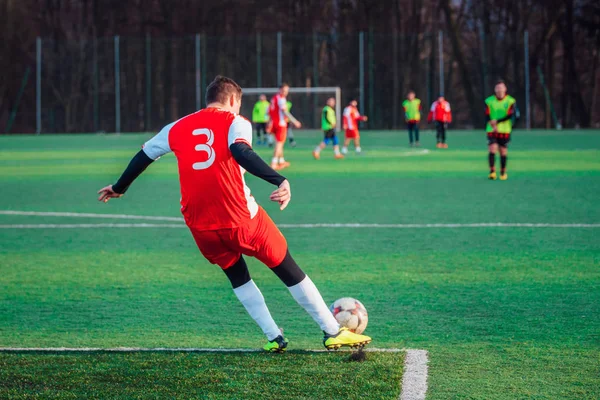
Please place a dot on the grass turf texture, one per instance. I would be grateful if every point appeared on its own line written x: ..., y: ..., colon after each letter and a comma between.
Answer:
x: 206, y: 376
x: 504, y: 312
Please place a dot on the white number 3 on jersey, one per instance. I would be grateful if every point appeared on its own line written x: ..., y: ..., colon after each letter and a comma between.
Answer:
x: 210, y: 138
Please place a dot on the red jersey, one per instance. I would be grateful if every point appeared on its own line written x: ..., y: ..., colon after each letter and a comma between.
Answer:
x: 214, y: 194
x: 351, y: 118
x: 440, y: 111
x: 276, y: 110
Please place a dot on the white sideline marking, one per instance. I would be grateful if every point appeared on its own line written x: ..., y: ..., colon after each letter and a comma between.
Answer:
x: 305, y: 226
x: 309, y: 226
x: 89, y: 215
x: 172, y: 349
x: 414, y: 380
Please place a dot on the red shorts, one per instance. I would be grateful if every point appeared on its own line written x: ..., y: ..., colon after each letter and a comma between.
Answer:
x: 280, y: 133
x: 352, y: 134
x: 258, y: 237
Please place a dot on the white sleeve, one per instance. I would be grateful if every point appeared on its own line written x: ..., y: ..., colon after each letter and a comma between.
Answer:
x: 282, y: 103
x: 159, y: 145
x: 433, y: 106
x: 240, y: 130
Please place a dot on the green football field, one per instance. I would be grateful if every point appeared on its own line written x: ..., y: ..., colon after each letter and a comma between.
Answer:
x: 505, y: 311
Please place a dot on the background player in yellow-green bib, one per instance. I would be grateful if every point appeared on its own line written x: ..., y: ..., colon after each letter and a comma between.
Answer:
x: 412, y: 116
x: 260, y: 117
x: 328, y: 124
x: 501, y: 113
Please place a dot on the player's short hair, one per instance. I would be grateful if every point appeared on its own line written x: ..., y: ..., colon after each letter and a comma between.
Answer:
x: 500, y: 82
x: 221, y: 88
x: 411, y: 91
x: 284, y: 84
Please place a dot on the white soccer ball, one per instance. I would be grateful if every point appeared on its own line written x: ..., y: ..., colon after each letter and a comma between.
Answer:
x: 350, y: 313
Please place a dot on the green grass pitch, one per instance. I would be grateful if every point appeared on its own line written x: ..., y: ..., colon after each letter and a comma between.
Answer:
x: 504, y: 312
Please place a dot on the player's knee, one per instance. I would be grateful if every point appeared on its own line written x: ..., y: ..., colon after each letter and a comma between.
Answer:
x: 238, y: 273
x: 288, y: 271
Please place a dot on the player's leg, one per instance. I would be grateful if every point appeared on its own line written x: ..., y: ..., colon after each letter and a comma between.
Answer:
x: 444, y: 128
x: 346, y: 143
x: 503, y: 160
x: 215, y: 250
x: 409, y: 126
x: 438, y: 134
x: 416, y: 130
x: 278, y: 162
x: 257, y: 129
x: 253, y: 301
x: 336, y: 146
x: 290, y: 134
x: 357, y: 147
x: 317, y: 151
x: 269, y: 246
x: 492, y: 150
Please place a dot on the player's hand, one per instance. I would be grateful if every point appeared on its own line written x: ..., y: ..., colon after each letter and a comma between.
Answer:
x: 365, y: 118
x: 297, y: 125
x: 282, y: 195
x: 107, y: 193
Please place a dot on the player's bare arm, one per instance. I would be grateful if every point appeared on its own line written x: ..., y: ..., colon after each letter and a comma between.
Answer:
x: 292, y: 119
x: 137, y: 165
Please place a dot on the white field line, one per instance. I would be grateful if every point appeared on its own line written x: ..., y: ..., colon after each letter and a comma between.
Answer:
x: 89, y: 215
x: 414, y: 379
x: 171, y: 350
x: 308, y: 226
x: 291, y: 226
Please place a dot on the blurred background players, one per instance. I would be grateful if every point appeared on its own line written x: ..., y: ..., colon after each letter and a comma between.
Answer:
x: 501, y: 112
x: 351, y: 118
x: 441, y: 114
x: 412, y: 116
x: 328, y: 124
x: 260, y: 118
x: 278, y: 113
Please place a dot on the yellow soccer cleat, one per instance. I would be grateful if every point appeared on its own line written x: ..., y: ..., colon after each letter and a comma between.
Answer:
x: 492, y: 176
x: 504, y: 176
x: 277, y: 345
x: 345, y: 338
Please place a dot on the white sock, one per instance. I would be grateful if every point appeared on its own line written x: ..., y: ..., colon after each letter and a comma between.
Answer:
x: 358, y: 149
x: 274, y: 161
x: 344, y: 150
x: 281, y: 160
x: 336, y: 151
x: 254, y: 302
x: 318, y: 149
x: 308, y: 296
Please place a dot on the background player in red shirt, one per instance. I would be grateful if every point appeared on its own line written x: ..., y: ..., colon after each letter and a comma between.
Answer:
x: 213, y: 150
x: 442, y: 115
x: 280, y: 116
x: 351, y: 119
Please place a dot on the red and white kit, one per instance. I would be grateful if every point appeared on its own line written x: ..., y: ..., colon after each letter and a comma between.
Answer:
x: 278, y: 118
x: 351, y: 119
x: 440, y: 112
x: 216, y: 203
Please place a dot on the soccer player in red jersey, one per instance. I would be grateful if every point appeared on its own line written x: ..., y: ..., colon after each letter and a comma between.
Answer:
x: 351, y: 120
x: 280, y: 115
x: 213, y: 148
x: 442, y: 115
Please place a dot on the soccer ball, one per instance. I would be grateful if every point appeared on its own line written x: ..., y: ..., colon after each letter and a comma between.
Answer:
x: 350, y: 313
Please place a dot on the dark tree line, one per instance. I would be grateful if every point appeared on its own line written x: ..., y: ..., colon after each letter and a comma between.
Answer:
x: 483, y: 41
